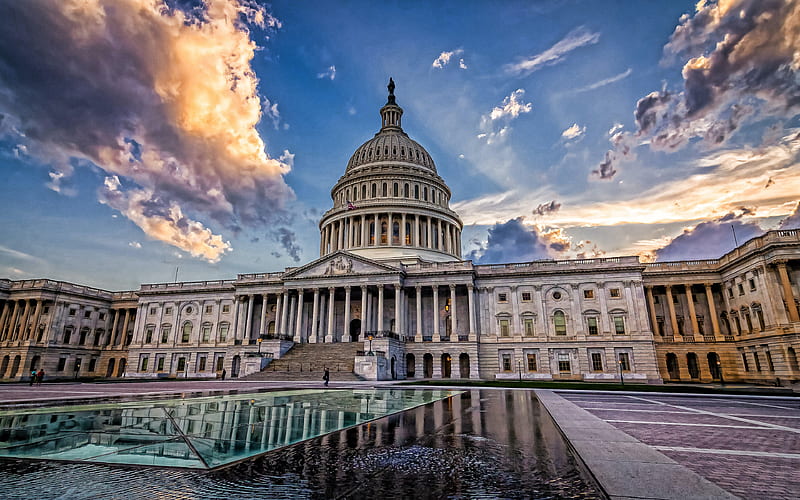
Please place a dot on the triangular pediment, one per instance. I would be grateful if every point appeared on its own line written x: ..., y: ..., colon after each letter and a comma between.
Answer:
x: 340, y: 263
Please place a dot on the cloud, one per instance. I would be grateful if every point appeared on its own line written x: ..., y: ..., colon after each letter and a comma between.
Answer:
x: 579, y: 37
x: 165, y: 101
x: 444, y: 59
x: 710, y: 240
x: 547, y: 208
x: 288, y: 241
x: 793, y: 220
x: 513, y: 241
x: 462, y: 64
x: 495, y: 125
x: 572, y: 132
x: 329, y: 73
x: 742, y: 64
x: 134, y: 244
x: 603, y: 83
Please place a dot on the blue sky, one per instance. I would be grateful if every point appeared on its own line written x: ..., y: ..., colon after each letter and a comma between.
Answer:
x: 205, y: 137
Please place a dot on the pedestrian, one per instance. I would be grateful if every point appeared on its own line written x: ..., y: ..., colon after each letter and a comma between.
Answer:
x: 40, y: 377
x: 224, y: 372
x: 327, y: 376
x: 33, y: 377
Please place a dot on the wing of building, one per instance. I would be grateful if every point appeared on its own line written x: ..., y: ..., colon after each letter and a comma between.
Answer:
x: 390, y: 297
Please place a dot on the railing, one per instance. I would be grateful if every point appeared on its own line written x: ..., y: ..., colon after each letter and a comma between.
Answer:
x: 688, y: 339
x: 709, y: 338
x: 558, y: 265
x: 186, y: 285
x: 258, y: 276
x: 381, y: 334
x: 427, y: 338
x: 730, y: 338
x: 463, y: 338
x: 444, y: 338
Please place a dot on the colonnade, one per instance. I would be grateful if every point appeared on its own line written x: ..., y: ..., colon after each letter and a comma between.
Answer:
x: 391, y: 229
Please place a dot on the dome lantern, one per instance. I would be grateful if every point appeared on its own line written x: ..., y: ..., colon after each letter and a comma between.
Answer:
x: 391, y: 113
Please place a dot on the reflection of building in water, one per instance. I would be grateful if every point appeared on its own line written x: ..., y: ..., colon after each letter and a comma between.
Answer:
x: 390, y: 277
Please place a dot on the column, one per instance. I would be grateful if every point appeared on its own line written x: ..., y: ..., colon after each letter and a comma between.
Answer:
x: 453, y: 315
x: 403, y: 230
x: 124, y: 337
x: 712, y: 311
x: 363, y: 312
x: 13, y: 321
x: 390, y: 229
x: 298, y: 331
x: 340, y: 235
x: 418, y: 290
x: 439, y: 236
x: 380, y: 327
x: 315, y: 316
x: 263, y: 323
x: 23, y: 330
x: 346, y: 329
x: 285, y: 314
x: 471, y: 304
x: 673, y: 321
x: 35, y: 322
x: 652, y: 306
x: 397, y: 316
x: 417, y: 231
x: 692, y: 314
x: 429, y: 233
x: 788, y: 296
x: 113, y: 335
x: 363, y: 241
x: 436, y: 337
x: 249, y: 315
x: 515, y: 328
x: 377, y: 231
x: 3, y: 319
x: 331, y: 296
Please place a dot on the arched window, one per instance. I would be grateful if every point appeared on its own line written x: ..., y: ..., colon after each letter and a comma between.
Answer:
x: 416, y: 191
x: 371, y: 233
x: 425, y: 193
x: 363, y: 191
x: 395, y: 233
x: 692, y: 365
x: 405, y: 190
x: 756, y: 307
x: 408, y: 233
x: 384, y: 230
x: 84, y: 334
x: 395, y: 190
x: 165, y: 329
x: 68, y: 334
x: 206, y: 332
x: 187, y: 332
x: 223, y: 331
x: 385, y: 190
x: 560, y: 323
x: 402, y: 151
x: 374, y: 190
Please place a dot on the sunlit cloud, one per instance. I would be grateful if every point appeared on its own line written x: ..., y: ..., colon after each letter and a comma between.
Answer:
x: 495, y: 125
x: 444, y: 59
x: 572, y: 132
x: 579, y: 37
x: 162, y: 99
x: 329, y: 73
x: 604, y: 82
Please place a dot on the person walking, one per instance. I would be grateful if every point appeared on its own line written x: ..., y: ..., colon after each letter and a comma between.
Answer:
x: 326, y: 376
x: 39, y: 377
x: 33, y: 377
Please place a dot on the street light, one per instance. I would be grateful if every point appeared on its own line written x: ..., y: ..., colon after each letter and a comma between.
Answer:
x: 519, y: 369
x: 370, y: 353
x: 259, y: 346
x: 621, y: 379
x: 719, y: 369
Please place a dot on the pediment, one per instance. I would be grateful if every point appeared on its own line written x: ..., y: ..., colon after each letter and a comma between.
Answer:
x: 340, y: 263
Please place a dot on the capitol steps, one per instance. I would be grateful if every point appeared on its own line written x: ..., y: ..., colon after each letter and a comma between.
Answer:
x: 308, y: 362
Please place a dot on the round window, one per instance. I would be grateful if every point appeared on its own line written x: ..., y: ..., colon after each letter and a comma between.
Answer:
x: 557, y: 295
x: 188, y: 310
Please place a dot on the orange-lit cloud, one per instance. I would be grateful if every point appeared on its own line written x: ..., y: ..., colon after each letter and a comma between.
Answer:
x: 164, y: 100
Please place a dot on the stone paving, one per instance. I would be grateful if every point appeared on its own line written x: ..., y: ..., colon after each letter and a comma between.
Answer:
x: 749, y: 446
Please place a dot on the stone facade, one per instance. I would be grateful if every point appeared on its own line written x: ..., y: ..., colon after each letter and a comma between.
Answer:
x: 390, y: 277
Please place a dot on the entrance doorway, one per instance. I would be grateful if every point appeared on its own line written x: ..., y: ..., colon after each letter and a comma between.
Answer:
x: 394, y: 373
x: 672, y: 366
x: 463, y: 365
x: 446, y: 368
x: 411, y: 368
x: 355, y: 329
x: 713, y: 365
x: 121, y: 370
x: 110, y: 370
x: 237, y: 361
x: 427, y: 366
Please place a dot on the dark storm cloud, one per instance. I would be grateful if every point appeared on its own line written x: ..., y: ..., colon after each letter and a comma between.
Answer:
x: 793, y: 220
x: 288, y: 240
x: 741, y: 63
x: 547, y: 208
x: 513, y: 241
x: 710, y: 240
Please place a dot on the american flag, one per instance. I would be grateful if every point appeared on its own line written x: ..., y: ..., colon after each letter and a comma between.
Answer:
x: 350, y: 205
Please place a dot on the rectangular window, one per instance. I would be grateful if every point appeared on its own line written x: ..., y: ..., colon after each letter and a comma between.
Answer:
x: 201, y: 364
x: 730, y: 293
x: 87, y: 314
x: 502, y: 297
x: 528, y: 327
x: 679, y: 321
x: 101, y: 316
x: 92, y: 365
x: 206, y: 332
x: 592, y: 324
x: 73, y: 312
x: 152, y: 310
x: 769, y: 361
x: 758, y: 361
x: 160, y: 364
x: 700, y: 328
x: 220, y: 363
x: 531, y: 362
x: 588, y: 294
x: 223, y: 332
x: 143, y: 364
x: 597, y: 362
x: 619, y: 325
x: 563, y: 363
x: 660, y: 326
x: 45, y: 309
x: 506, y: 362
x: 181, y: 364
x: 615, y: 293
x: 744, y: 362
x: 148, y: 333
x: 504, y: 328
x: 62, y: 362
x: 165, y: 334
x: 624, y: 362
x: 752, y: 284
x: 209, y: 309
x: 741, y: 289
x: 526, y: 296
x: 226, y: 308
x: 656, y: 299
x: 168, y: 311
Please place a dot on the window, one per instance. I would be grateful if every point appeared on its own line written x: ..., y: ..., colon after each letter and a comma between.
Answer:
x: 560, y: 323
x: 744, y: 362
x: 619, y: 325
x: 730, y: 293
x: 206, y: 332
x: 757, y: 360
x: 160, y: 364
x: 769, y: 361
x: 660, y: 325
x: 168, y: 311
x: 614, y: 293
x: 700, y: 328
x: 92, y: 364
x: 557, y: 295
x: 98, y: 334
x: 597, y: 362
x: 87, y: 314
x: 504, y: 328
x: 67, y: 334
x: 588, y: 294
x: 148, y: 333
x: 563, y: 363
x: 223, y: 331
x: 624, y: 362
x: 165, y: 333
x: 528, y: 322
x: 82, y: 339
x: 209, y: 309
x: 220, y: 363
x: 181, y: 364
x: 152, y: 310
x: 741, y: 289
x: 62, y: 362
x: 506, y: 362
x: 531, y: 357
x: 46, y: 309
x: 656, y: 299
x: 502, y: 297
x: 143, y: 364
x: 760, y: 316
x: 226, y: 308
x: 189, y: 310
x: 73, y: 312
x: 101, y: 316
x: 752, y: 283
x: 201, y: 364
x: 187, y: 332
x: 526, y: 296
x: 592, y: 324
x: 679, y: 321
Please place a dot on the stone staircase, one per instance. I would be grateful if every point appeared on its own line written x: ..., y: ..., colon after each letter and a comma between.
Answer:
x: 308, y: 362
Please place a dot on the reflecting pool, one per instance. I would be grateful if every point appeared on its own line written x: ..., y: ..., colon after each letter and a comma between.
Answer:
x: 478, y: 443
x: 197, y: 432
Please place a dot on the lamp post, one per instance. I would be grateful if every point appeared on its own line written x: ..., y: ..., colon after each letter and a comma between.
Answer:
x: 259, y: 346
x: 370, y: 353
x: 621, y: 379
x: 519, y: 369
x: 719, y: 370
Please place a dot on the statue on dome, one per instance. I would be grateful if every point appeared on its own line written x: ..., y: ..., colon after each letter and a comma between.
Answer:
x: 390, y: 86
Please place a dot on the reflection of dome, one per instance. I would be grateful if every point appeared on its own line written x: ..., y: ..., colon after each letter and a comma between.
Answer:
x: 391, y: 203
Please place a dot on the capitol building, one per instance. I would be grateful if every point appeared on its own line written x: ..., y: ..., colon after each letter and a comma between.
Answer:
x: 391, y: 295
